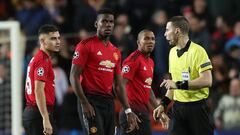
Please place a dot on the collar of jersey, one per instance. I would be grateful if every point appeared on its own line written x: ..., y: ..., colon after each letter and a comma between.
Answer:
x: 183, y: 50
x: 108, y: 42
x: 144, y: 56
x: 45, y: 54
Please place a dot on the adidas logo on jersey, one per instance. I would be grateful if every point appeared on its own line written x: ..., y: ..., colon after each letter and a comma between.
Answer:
x: 99, y: 53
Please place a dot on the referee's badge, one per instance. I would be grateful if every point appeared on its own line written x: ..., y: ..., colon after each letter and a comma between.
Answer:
x: 185, y: 76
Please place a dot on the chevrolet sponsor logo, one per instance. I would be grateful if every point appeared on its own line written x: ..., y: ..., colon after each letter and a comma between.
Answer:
x: 107, y: 64
x: 149, y: 81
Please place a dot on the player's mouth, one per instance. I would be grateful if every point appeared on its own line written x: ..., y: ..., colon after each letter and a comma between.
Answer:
x: 169, y: 41
x: 58, y: 46
x: 108, y: 31
x: 150, y: 45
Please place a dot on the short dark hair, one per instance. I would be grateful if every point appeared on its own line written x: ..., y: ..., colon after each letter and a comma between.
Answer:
x: 180, y: 22
x: 143, y: 31
x: 45, y: 29
x: 105, y: 11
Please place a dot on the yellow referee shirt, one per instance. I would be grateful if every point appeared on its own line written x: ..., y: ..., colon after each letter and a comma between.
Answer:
x: 187, y: 64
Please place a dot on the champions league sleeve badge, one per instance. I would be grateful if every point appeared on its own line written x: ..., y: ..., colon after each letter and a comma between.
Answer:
x: 126, y: 69
x: 40, y: 71
x: 75, y: 55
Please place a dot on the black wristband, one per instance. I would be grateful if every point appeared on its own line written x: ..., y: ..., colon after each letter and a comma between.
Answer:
x: 165, y: 101
x: 182, y: 85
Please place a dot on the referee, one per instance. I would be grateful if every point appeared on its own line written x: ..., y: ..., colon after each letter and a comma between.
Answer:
x: 190, y: 69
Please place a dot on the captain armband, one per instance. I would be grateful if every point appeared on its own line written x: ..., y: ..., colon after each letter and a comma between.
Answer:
x: 182, y: 85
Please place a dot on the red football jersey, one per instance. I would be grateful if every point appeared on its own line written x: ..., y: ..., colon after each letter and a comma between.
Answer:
x: 99, y: 63
x: 138, y: 69
x: 40, y: 68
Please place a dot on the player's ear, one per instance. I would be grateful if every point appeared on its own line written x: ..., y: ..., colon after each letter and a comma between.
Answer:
x: 41, y: 39
x: 95, y: 24
x: 177, y: 31
x: 138, y: 42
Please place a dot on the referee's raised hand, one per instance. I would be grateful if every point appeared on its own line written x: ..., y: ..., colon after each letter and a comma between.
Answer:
x: 168, y: 84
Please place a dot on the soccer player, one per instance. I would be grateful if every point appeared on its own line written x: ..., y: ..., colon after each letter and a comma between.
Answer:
x: 137, y: 74
x: 98, y: 62
x: 39, y: 88
x: 190, y: 69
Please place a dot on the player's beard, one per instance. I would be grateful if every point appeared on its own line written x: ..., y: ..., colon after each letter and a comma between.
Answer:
x: 174, y: 41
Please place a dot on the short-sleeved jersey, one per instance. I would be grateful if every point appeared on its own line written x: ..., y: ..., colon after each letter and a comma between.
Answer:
x: 191, y: 61
x: 138, y: 69
x: 40, y: 68
x: 99, y: 63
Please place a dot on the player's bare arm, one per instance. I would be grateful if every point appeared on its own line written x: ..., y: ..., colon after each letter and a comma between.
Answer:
x: 121, y: 93
x: 162, y: 117
x: 164, y: 103
x: 159, y: 112
x: 76, y: 70
x: 42, y: 106
x: 153, y: 100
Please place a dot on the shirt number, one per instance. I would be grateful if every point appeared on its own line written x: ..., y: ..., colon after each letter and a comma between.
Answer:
x: 28, y: 83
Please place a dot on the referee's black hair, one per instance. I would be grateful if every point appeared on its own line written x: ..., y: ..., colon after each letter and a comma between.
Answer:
x: 45, y: 29
x: 180, y: 22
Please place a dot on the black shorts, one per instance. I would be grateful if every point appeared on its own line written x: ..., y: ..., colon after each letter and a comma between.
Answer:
x: 144, y: 126
x: 190, y: 119
x: 104, y: 121
x: 33, y: 123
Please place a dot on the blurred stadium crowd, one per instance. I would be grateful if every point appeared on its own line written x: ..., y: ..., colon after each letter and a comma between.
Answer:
x: 217, y: 28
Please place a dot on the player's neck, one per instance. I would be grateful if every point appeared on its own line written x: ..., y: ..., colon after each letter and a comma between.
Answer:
x: 47, y: 52
x: 104, y: 39
x: 182, y: 41
x: 146, y: 54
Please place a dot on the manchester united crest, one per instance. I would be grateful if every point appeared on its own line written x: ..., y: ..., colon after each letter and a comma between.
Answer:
x: 115, y: 55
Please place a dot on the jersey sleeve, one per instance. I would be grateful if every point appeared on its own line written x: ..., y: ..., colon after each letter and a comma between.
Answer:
x: 129, y: 69
x: 118, y: 63
x: 169, y: 60
x: 153, y: 65
x: 202, y: 61
x: 41, y: 70
x: 80, y: 55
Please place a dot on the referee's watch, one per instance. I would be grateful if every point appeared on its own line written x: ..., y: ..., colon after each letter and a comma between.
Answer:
x: 182, y: 85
